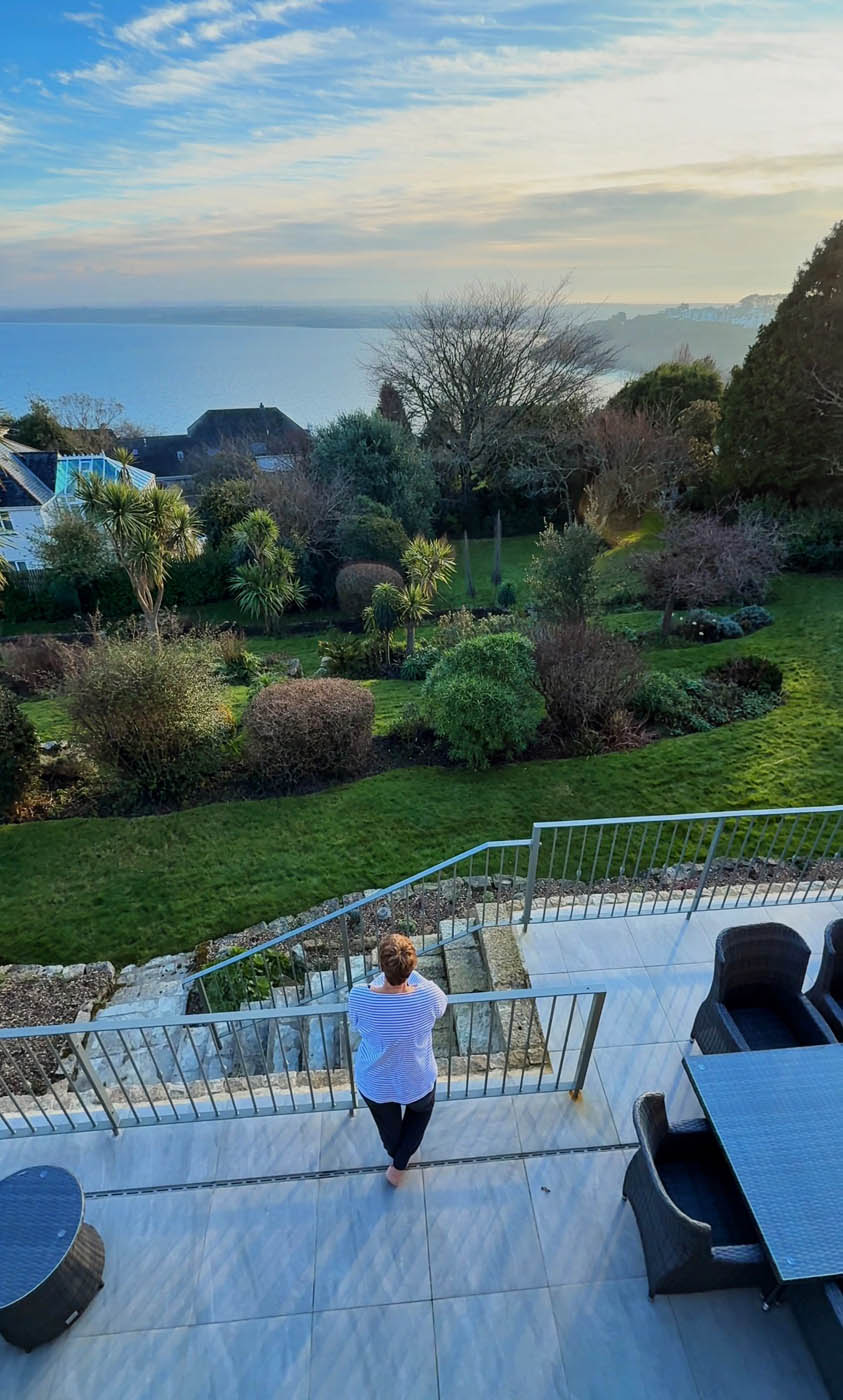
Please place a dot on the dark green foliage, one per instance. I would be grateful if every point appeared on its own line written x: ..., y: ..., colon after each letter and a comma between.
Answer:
x: 701, y: 625
x: 206, y: 579
x: 496, y: 564
x: 18, y: 753
x: 372, y: 534
x: 153, y: 715
x: 223, y: 504
x: 677, y: 704
x: 470, y: 591
x: 357, y: 658
x: 41, y: 429
x: 480, y: 698
x: 298, y: 731
x: 419, y: 663
x: 673, y: 703
x: 507, y: 596
x: 383, y: 461
x: 670, y: 388
x: 41, y: 598
x: 391, y: 405
x: 74, y: 551
x: 249, y: 980
x: 781, y: 430
x: 812, y: 536
x: 560, y: 579
x: 752, y: 618
x: 750, y: 673
x: 357, y: 582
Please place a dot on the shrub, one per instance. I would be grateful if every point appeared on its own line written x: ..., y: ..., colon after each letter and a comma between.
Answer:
x: 752, y: 618
x: 671, y: 702
x: 358, y: 658
x: 480, y: 698
x: 560, y: 578
x: 706, y: 560
x: 206, y: 579
x: 38, y: 664
x: 701, y: 625
x: 373, y: 535
x: 297, y: 731
x: 18, y: 752
x: 585, y: 675
x: 154, y: 716
x: 419, y: 663
x: 749, y: 673
x: 357, y: 582
x: 506, y: 596
x: 453, y: 628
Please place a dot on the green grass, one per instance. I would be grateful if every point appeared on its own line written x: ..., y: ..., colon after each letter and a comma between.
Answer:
x: 50, y: 718
x: 132, y: 888
x: 516, y: 551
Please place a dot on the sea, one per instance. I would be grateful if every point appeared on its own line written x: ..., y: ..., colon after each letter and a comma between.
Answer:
x: 165, y: 375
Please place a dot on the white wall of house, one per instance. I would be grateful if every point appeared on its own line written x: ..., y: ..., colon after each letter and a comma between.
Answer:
x: 16, y: 542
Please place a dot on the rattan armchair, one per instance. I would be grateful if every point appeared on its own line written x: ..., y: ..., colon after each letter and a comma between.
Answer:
x: 827, y: 992
x: 696, y: 1231
x: 756, y: 1000
x: 819, y: 1311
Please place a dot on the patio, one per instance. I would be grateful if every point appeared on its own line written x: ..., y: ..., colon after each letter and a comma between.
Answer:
x: 282, y: 1263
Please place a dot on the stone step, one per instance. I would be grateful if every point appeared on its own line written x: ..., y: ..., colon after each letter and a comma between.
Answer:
x: 466, y: 972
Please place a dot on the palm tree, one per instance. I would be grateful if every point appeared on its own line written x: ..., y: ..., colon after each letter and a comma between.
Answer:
x: 126, y: 457
x: 265, y: 581
x: 427, y: 563
x: 147, y: 529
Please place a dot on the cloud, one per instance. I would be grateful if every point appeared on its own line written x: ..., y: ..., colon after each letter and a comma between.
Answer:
x: 149, y: 28
x: 91, y: 19
x: 248, y: 62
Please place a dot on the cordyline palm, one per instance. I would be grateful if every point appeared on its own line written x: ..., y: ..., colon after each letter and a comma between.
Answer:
x: 265, y: 583
x: 427, y: 563
x: 148, y: 530
x: 126, y: 457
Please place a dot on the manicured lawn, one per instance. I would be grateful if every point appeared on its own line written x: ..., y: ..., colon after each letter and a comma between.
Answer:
x: 516, y: 551
x: 128, y: 889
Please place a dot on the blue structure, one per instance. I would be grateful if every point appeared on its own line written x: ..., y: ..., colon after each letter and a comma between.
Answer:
x: 99, y: 465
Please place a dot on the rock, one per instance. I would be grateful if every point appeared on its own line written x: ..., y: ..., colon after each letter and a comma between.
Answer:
x: 676, y: 874
x: 283, y: 1051
x: 52, y: 746
x: 72, y: 970
x: 322, y: 1042
x: 293, y: 668
x: 383, y: 914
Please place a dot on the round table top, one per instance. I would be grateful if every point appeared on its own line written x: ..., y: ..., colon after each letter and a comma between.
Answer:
x: 41, y: 1210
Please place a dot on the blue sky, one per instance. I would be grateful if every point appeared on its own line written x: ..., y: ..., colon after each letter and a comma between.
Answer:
x: 273, y: 150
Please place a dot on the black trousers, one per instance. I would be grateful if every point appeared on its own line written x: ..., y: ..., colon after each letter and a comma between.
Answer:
x: 401, y: 1135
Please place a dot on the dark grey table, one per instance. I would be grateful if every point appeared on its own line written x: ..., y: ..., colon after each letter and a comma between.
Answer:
x: 51, y: 1262
x: 778, y: 1115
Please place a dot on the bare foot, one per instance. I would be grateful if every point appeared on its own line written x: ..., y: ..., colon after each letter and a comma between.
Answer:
x: 394, y: 1176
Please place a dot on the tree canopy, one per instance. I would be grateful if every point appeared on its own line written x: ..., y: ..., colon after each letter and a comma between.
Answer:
x: 670, y: 388
x: 782, y: 424
x: 382, y: 460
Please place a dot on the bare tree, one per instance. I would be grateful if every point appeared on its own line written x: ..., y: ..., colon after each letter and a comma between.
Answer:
x: 473, y: 362
x: 307, y: 509
x: 630, y: 458
x: 704, y: 560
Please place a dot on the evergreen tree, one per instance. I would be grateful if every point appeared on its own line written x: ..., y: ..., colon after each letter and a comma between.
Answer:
x: 470, y: 591
x: 782, y: 425
x: 669, y: 388
x: 391, y: 405
x: 496, y: 564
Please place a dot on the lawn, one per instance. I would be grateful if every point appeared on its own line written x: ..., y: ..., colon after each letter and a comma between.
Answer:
x: 132, y: 888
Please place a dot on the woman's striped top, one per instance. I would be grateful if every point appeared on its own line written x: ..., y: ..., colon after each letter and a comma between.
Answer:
x: 394, y: 1061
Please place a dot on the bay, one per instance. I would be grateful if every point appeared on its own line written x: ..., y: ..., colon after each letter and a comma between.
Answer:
x: 165, y: 375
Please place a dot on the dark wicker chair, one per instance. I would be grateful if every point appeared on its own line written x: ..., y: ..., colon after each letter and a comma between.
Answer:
x: 756, y: 1000
x: 696, y: 1231
x: 827, y: 992
x: 819, y: 1312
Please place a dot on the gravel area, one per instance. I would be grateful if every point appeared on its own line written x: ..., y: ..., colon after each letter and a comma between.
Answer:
x: 37, y: 996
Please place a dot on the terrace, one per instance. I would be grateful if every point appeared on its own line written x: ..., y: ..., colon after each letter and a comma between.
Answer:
x: 266, y: 1255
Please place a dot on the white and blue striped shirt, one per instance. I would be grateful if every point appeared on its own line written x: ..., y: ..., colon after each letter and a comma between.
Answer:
x: 394, y: 1062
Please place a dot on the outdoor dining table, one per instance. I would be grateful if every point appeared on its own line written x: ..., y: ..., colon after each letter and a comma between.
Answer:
x: 778, y: 1115
x: 51, y: 1262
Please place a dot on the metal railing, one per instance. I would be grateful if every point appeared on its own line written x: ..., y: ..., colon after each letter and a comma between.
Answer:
x: 102, y: 1075
x: 629, y: 866
x: 435, y: 907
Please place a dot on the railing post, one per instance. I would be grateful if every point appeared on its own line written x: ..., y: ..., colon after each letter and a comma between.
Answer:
x: 589, y: 1035
x: 532, y: 867
x: 346, y: 950
x: 718, y: 831
x: 102, y: 1094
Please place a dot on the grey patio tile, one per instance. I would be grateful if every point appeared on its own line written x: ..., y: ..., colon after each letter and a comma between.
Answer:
x: 632, y: 1013
x: 249, y: 1360
x: 357, y: 1351
x: 558, y: 1033
x: 735, y: 1349
x: 617, y: 1345
x: 153, y: 1246
x: 671, y: 938
x: 630, y: 1070
x: 258, y: 1257
x: 471, y: 1128
x: 288, y: 1142
x: 540, y: 949
x: 350, y: 1141
x: 680, y: 989
x: 556, y: 1120
x: 586, y: 1232
x: 370, y: 1244
x: 591, y: 944
x: 504, y: 1252
x: 500, y: 1344
x: 128, y: 1365
x: 33, y: 1377
x: 808, y: 919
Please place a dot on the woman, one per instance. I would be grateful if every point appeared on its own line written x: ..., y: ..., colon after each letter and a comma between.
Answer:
x: 394, y: 1063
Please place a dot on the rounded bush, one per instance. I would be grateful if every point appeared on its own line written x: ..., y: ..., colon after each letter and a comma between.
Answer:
x: 749, y: 673
x: 297, y: 731
x: 154, y: 716
x: 481, y: 698
x: 586, y: 676
x: 357, y: 582
x: 701, y: 625
x: 418, y: 665
x: 673, y: 703
x: 18, y: 752
x: 752, y: 618
x: 374, y: 536
x: 506, y: 596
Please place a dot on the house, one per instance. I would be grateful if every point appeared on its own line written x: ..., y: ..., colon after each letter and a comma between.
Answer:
x: 271, y: 436
x: 35, y: 485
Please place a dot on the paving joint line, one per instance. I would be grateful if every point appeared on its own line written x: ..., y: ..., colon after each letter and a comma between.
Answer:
x: 329, y: 1174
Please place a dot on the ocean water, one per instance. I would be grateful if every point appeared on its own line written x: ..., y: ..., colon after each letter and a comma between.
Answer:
x: 166, y: 375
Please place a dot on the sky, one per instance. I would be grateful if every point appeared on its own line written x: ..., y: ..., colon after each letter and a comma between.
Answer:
x: 372, y: 150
